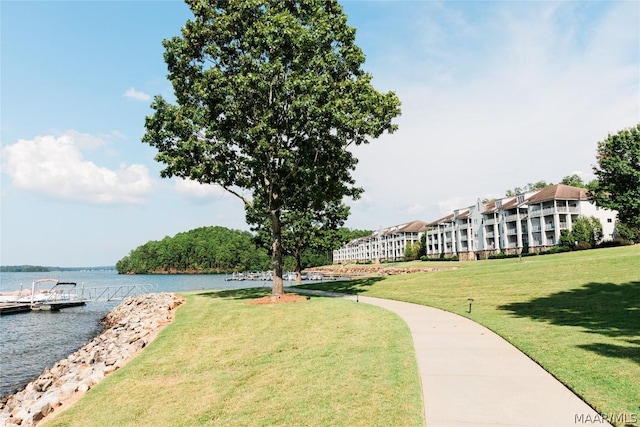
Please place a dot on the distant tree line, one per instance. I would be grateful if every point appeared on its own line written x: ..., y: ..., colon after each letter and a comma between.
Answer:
x: 210, y: 250
x: 24, y: 269
x: 40, y: 268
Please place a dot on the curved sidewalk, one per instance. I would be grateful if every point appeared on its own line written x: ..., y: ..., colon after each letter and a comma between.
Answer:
x: 473, y: 377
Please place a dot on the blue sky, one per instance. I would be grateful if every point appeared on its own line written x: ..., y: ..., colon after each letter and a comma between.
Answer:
x: 495, y: 95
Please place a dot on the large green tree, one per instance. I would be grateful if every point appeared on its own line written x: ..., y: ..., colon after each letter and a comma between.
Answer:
x: 618, y: 175
x: 302, y: 230
x: 269, y: 96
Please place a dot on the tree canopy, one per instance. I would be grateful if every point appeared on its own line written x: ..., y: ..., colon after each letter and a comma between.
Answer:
x: 202, y: 250
x: 528, y: 187
x: 573, y: 180
x: 586, y: 232
x: 269, y: 96
x: 618, y: 175
x: 217, y: 250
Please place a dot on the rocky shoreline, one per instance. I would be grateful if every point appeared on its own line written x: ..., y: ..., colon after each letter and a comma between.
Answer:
x: 129, y: 327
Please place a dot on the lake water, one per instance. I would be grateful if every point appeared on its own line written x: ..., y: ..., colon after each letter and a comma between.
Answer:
x: 33, y: 341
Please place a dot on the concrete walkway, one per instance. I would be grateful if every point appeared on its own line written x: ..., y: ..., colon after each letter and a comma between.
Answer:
x: 473, y: 377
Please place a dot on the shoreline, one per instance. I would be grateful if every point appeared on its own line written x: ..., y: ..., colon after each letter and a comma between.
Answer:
x: 129, y: 327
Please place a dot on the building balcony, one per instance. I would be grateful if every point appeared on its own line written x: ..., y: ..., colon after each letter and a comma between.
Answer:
x: 558, y: 209
x: 568, y: 209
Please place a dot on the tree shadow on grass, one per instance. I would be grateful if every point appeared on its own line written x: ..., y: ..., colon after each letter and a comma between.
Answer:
x: 345, y: 287
x: 607, y: 309
x: 353, y: 287
x: 237, y: 294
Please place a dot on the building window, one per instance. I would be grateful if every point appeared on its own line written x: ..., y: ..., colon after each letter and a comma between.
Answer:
x: 609, y: 220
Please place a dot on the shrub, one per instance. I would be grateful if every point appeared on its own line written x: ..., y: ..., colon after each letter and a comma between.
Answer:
x: 581, y: 246
x: 615, y: 242
x: 555, y: 250
x: 441, y: 258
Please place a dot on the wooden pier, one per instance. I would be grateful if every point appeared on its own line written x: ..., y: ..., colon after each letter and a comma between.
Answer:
x: 13, y: 307
x: 21, y: 307
x: 56, y: 299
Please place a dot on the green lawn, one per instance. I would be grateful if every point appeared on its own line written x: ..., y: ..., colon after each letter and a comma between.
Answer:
x: 577, y: 314
x: 223, y: 362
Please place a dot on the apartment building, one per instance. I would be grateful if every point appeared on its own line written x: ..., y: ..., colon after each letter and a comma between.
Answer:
x: 388, y: 244
x: 533, y: 220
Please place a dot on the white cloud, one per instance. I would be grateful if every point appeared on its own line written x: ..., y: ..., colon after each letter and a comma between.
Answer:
x: 81, y: 140
x: 417, y: 210
x: 449, y: 205
x: 193, y: 190
x: 137, y: 95
x: 520, y: 95
x: 55, y: 166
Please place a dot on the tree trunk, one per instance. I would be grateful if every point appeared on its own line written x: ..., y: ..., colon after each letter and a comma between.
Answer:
x: 298, y: 267
x: 276, y: 232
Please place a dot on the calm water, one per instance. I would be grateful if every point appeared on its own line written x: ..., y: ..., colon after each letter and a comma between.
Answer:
x: 33, y: 341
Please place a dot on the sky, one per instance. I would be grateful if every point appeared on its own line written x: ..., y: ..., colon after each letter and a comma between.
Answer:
x: 495, y: 95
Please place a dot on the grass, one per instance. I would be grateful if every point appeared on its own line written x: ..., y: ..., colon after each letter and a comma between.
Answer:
x: 223, y: 362
x: 577, y: 314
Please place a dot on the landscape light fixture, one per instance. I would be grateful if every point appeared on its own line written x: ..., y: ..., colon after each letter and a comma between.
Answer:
x: 470, y: 302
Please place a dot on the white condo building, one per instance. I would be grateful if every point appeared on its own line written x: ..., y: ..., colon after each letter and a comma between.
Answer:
x: 533, y: 220
x: 388, y: 244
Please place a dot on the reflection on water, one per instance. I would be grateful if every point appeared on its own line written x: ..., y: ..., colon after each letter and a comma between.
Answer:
x: 33, y: 341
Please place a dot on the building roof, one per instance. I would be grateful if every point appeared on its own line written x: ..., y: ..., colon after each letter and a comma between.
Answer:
x: 416, y: 226
x: 490, y: 207
x: 464, y: 214
x: 510, y: 204
x: 559, y: 192
x: 447, y: 218
x: 506, y: 202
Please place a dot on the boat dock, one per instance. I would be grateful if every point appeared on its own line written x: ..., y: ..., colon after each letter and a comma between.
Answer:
x: 64, y: 295
x: 12, y: 308
x: 21, y: 307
